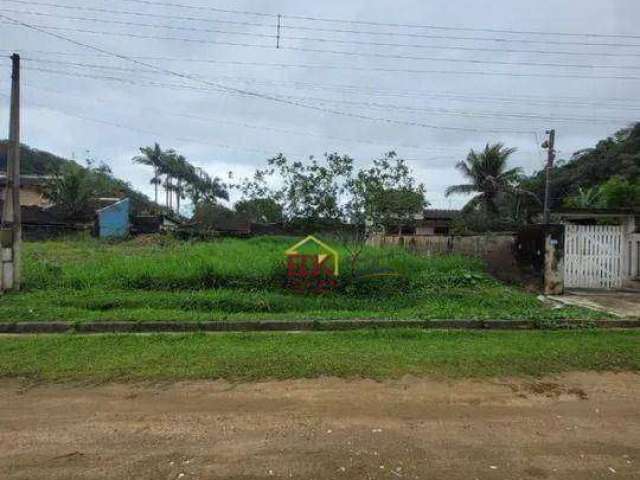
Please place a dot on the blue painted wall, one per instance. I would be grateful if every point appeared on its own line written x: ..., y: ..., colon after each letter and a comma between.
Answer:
x: 113, y: 221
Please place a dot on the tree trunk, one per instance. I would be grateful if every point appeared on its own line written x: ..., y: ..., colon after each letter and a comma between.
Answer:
x: 156, y: 180
x: 178, y: 192
x: 166, y: 192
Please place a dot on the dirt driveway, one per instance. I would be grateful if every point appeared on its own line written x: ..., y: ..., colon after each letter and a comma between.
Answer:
x: 578, y: 426
x: 625, y: 304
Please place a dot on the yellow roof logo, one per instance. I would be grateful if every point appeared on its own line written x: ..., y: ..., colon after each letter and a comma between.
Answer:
x: 325, y: 251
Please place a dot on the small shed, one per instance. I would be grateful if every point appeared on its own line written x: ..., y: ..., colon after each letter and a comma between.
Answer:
x: 113, y: 220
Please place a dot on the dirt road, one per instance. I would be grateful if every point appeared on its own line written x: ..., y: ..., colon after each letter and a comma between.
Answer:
x: 578, y: 426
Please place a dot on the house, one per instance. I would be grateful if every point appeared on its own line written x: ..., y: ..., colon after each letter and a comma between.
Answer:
x: 436, y: 222
x: 428, y: 224
x: 32, y: 190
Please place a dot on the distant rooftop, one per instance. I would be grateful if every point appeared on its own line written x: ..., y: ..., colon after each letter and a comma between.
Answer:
x: 440, y: 214
x: 27, y: 180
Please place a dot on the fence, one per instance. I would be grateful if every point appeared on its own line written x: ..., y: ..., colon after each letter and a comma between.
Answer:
x: 528, y: 258
x: 480, y: 246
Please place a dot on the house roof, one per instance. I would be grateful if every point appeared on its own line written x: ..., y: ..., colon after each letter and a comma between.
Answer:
x: 440, y: 214
x: 34, y: 215
x: 27, y: 180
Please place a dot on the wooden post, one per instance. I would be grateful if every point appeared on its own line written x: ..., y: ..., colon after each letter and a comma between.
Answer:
x: 12, y: 215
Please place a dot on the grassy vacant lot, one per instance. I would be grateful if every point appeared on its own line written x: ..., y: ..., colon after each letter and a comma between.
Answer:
x: 373, y: 354
x: 152, y: 279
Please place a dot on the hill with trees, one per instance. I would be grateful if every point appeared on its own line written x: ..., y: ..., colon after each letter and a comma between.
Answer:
x: 73, y: 181
x: 606, y: 176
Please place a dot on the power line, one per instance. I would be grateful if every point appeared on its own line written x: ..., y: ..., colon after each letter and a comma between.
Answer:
x: 315, y: 39
x: 518, y: 116
x: 352, y: 67
x: 324, y: 29
x: 252, y: 93
x: 259, y: 127
x: 496, y: 115
x: 189, y: 88
x: 398, y: 25
x: 349, y: 53
x: 140, y: 24
x: 130, y: 128
x: 145, y: 131
x: 357, y: 89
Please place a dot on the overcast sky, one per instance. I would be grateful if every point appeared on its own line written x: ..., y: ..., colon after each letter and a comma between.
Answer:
x: 412, y: 105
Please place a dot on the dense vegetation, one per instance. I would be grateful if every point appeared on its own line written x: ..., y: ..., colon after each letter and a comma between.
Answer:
x: 612, y: 161
x: 606, y: 176
x: 152, y: 279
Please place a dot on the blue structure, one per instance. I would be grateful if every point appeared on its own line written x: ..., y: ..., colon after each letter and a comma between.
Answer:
x: 113, y: 221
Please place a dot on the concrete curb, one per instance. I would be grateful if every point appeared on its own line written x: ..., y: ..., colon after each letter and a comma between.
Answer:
x: 298, y: 326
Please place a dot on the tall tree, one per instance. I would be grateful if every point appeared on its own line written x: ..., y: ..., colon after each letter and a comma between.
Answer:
x: 385, y: 195
x: 152, y: 157
x: 488, y: 177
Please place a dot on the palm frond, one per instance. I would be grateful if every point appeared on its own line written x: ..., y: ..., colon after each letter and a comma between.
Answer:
x: 460, y: 190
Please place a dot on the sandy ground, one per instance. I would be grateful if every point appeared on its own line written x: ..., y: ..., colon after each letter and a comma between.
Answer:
x: 578, y: 426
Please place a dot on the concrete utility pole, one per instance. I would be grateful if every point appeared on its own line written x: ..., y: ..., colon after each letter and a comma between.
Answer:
x: 278, y: 27
x: 550, y: 146
x: 11, y: 233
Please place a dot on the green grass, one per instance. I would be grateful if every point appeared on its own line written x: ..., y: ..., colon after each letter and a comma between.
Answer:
x: 373, y: 354
x: 169, y: 280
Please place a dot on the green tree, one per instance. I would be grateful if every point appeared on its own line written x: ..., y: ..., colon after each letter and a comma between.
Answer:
x: 330, y: 192
x: 263, y: 210
x: 310, y: 192
x: 385, y: 195
x: 71, y: 190
x: 585, y: 198
x: 489, y: 177
x: 620, y: 193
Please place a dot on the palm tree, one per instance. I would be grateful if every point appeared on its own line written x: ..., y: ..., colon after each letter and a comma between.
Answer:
x: 183, y: 173
x: 153, y: 157
x: 169, y: 167
x: 488, y: 176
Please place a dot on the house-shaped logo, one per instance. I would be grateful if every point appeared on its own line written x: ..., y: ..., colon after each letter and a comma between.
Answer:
x: 324, y: 258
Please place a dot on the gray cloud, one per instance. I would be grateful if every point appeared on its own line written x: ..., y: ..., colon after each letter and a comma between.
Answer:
x: 146, y: 114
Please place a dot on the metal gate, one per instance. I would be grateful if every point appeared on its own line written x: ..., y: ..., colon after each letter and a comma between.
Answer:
x: 593, y: 256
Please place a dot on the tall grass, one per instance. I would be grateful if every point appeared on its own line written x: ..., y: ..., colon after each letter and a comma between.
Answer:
x: 165, y: 279
x: 254, y: 264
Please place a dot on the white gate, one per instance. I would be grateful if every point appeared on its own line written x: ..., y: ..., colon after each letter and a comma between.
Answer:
x: 593, y: 256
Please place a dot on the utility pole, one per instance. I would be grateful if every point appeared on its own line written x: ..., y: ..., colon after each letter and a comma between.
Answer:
x: 11, y: 241
x: 278, y: 27
x: 551, y: 156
